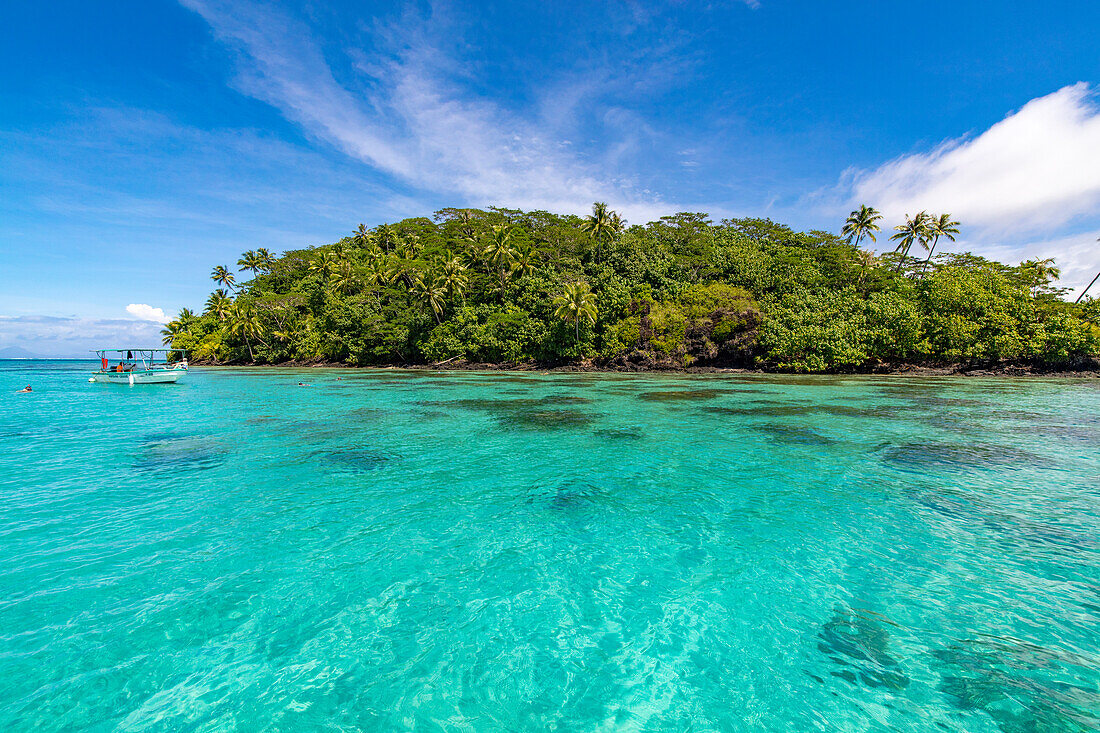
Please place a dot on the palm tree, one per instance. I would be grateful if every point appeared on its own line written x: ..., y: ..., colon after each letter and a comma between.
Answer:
x: 186, y: 316
x: 600, y: 225
x: 499, y: 252
x: 524, y: 261
x: 171, y: 330
x: 244, y: 322
x: 325, y: 264
x: 1039, y: 273
x: 265, y: 257
x: 223, y: 277
x: 454, y: 279
x: 618, y: 224
x: 386, y: 236
x: 363, y: 237
x: 250, y: 261
x: 431, y: 291
x: 940, y: 226
x: 342, y: 278
x: 466, y: 218
x: 577, y: 303
x: 218, y: 303
x: 861, y: 223
x: 409, y: 247
x: 913, y: 231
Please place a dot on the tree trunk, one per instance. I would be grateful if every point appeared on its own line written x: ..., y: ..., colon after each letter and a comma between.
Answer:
x: 1087, y: 288
x: 928, y: 259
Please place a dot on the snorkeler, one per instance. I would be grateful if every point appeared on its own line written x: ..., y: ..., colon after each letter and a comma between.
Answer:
x: 25, y: 389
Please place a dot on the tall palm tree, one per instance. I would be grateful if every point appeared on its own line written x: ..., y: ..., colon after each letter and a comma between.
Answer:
x: 454, y: 278
x: 218, y: 303
x: 432, y: 292
x: 221, y: 275
x: 575, y: 305
x: 250, y: 260
x: 861, y: 223
x: 600, y: 225
x: 186, y: 316
x: 499, y: 252
x: 940, y: 226
x: 913, y: 231
x: 386, y: 236
x: 244, y: 322
x: 466, y: 218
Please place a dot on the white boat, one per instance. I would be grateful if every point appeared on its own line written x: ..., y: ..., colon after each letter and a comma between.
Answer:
x: 140, y: 366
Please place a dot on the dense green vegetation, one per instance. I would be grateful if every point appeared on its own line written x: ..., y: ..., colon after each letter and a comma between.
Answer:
x: 511, y: 286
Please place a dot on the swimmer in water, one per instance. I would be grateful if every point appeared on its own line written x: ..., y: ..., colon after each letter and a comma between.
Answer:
x: 302, y: 384
x: 25, y: 389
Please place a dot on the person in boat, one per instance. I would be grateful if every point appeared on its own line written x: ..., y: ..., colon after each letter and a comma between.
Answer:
x: 25, y: 389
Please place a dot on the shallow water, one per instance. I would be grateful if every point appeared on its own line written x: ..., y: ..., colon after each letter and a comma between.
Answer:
x: 403, y: 550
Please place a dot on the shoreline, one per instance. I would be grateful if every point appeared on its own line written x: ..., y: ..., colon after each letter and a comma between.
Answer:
x: 901, y: 369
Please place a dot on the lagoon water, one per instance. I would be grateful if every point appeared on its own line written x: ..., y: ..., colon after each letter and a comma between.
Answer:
x: 389, y: 550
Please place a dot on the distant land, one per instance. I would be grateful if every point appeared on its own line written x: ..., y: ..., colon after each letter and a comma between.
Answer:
x: 18, y: 352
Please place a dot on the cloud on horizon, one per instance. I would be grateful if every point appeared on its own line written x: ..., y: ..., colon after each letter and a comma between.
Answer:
x: 75, y: 336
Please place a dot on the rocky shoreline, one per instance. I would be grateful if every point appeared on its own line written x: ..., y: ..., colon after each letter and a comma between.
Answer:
x: 1086, y: 369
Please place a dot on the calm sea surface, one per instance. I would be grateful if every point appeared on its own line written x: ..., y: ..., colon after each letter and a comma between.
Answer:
x: 388, y: 550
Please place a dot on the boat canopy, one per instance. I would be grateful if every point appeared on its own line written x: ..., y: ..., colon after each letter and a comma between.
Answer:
x: 129, y: 352
x: 150, y: 351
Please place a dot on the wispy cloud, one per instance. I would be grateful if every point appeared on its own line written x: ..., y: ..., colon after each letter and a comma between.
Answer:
x: 1036, y: 169
x: 404, y: 115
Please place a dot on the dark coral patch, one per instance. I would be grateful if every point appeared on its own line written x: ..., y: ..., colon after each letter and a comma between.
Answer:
x: 860, y: 645
x: 544, y: 419
x: 180, y: 453
x: 618, y: 434
x: 794, y: 434
x: 358, y: 460
x: 957, y: 456
x: 543, y: 413
x: 679, y: 395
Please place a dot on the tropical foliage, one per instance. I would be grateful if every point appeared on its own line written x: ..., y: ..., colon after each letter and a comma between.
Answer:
x: 506, y: 286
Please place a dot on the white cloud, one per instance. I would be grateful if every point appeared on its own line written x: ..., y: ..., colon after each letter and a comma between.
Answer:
x: 1037, y: 169
x: 147, y: 312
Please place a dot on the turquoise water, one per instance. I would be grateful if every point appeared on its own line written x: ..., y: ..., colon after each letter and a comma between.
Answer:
x: 388, y: 550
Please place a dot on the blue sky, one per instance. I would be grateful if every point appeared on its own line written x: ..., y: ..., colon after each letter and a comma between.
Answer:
x: 143, y: 142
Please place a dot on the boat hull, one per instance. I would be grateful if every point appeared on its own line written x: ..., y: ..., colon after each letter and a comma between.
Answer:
x: 149, y: 376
